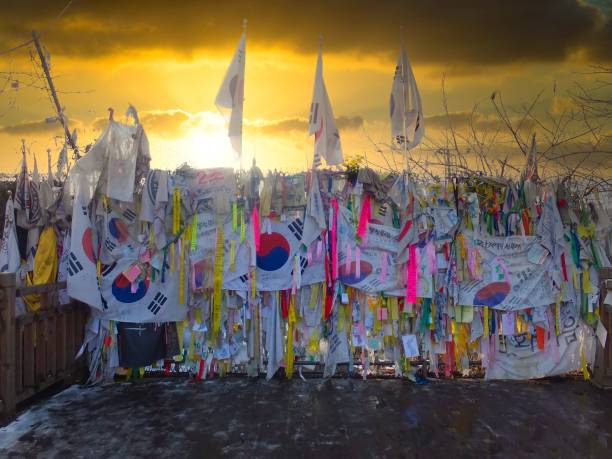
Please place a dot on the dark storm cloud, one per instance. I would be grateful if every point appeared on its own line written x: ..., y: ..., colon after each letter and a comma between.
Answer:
x: 301, y: 124
x: 175, y: 122
x: 31, y: 127
x: 436, y: 31
x: 481, y: 124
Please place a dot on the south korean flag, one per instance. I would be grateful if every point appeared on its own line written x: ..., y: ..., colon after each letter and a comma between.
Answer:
x: 82, y: 282
x: 143, y: 300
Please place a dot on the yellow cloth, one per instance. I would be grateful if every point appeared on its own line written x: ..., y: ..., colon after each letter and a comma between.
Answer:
x: 45, y: 266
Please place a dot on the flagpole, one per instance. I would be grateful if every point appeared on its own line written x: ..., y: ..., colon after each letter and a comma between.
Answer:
x: 315, y: 163
x: 244, y: 28
x: 402, y: 51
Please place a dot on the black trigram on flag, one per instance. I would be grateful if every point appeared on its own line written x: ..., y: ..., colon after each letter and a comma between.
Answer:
x: 244, y: 278
x: 158, y: 301
x: 110, y: 245
x: 129, y: 215
x: 314, y: 113
x: 104, y: 303
x: 303, y: 264
x: 296, y: 227
x: 74, y: 265
x: 107, y: 269
x: 382, y: 210
x: 85, y: 211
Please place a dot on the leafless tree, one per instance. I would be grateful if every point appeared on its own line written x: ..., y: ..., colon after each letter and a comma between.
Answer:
x: 573, y: 138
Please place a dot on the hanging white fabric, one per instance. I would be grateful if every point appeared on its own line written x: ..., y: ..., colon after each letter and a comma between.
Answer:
x: 126, y: 144
x: 314, y: 221
x: 82, y: 283
x: 406, y: 111
x: 230, y: 98
x: 9, y: 252
x: 322, y: 124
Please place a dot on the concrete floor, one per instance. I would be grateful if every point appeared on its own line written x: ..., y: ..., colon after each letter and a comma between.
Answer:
x: 236, y: 417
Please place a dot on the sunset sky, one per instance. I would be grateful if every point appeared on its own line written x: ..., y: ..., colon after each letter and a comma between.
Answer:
x: 168, y: 60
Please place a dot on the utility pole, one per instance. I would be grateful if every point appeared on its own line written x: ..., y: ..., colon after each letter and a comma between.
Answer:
x: 58, y: 107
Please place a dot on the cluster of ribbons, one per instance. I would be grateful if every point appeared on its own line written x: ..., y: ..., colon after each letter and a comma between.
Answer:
x: 425, y: 265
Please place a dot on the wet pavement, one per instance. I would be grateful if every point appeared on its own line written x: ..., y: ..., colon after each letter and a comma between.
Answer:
x: 236, y: 417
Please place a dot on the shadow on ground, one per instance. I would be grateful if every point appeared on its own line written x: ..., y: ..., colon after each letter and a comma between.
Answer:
x: 317, y: 418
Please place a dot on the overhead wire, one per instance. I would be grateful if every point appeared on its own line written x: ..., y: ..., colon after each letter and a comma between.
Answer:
x: 15, y: 48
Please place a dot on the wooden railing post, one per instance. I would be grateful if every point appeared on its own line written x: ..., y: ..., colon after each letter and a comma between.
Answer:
x: 602, y: 371
x: 7, y: 345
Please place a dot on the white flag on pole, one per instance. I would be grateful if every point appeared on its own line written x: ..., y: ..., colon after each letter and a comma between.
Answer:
x: 22, y: 191
x: 322, y: 124
x: 230, y: 98
x: 9, y: 252
x: 531, y: 167
x: 406, y: 112
x: 50, y: 176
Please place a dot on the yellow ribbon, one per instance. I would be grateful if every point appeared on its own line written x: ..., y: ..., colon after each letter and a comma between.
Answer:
x: 151, y: 236
x: 253, y: 282
x: 242, y: 225
x: 232, y: 254
x: 218, y: 281
x: 432, y: 324
x: 182, y: 273
x: 314, y: 295
x: 194, y: 232
x: 235, y: 216
x: 393, y: 308
x: 583, y: 364
x: 289, y: 355
x: 586, y: 231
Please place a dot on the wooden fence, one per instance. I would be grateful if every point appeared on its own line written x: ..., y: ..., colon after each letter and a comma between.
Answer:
x: 602, y: 371
x: 37, y: 349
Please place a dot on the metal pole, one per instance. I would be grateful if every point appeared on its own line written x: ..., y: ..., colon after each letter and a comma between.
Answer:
x: 56, y: 102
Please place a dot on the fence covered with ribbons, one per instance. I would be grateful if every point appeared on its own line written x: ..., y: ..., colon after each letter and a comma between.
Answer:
x: 218, y: 270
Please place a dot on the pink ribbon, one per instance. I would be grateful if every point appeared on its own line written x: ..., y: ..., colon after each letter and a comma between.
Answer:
x: 411, y: 275
x: 364, y: 219
x: 256, y: 232
x: 334, y: 238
